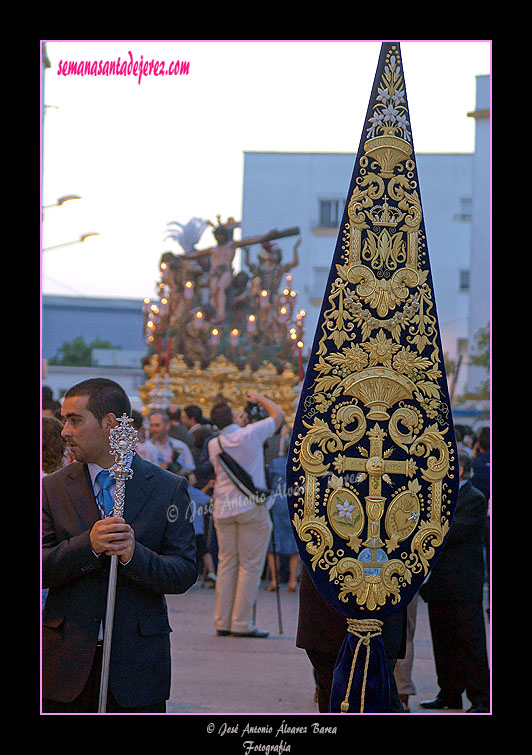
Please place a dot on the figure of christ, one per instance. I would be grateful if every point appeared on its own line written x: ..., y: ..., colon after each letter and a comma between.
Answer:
x: 221, y: 272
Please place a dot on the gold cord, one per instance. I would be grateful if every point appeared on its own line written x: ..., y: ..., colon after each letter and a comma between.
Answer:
x: 373, y: 627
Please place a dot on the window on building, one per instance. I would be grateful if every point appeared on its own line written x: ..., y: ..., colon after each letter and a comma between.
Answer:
x: 331, y: 212
x: 463, y: 280
x: 465, y: 212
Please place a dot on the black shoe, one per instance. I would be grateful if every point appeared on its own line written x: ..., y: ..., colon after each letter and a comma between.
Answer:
x: 223, y: 632
x: 441, y: 703
x: 478, y: 708
x: 253, y: 633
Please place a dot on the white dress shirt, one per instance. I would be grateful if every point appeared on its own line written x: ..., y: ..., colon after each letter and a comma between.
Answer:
x: 245, y: 445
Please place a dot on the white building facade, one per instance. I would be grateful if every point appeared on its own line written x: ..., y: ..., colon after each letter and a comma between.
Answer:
x: 309, y: 190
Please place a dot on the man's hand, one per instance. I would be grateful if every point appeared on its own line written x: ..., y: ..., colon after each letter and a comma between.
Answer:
x: 113, y: 537
x: 253, y: 397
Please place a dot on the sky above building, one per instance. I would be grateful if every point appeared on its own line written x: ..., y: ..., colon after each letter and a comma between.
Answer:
x: 143, y: 149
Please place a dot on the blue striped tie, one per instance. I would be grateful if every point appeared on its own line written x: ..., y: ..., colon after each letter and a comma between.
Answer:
x: 104, y: 497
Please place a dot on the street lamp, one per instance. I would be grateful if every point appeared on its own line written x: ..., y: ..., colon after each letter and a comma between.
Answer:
x: 68, y: 243
x: 61, y: 201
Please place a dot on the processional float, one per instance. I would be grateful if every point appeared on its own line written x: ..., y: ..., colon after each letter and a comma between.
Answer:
x: 215, y: 333
x: 372, y: 472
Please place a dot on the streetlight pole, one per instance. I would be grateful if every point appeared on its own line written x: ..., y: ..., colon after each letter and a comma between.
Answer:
x: 68, y: 243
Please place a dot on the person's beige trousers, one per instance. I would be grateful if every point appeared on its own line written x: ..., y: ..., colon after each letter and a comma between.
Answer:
x: 242, y: 543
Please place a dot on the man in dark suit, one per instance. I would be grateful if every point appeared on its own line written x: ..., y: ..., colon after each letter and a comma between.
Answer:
x: 454, y: 592
x: 178, y: 429
x: 155, y: 546
x: 321, y: 630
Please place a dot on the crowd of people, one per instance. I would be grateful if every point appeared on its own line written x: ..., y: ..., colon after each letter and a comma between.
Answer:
x: 229, y: 543
x: 454, y: 592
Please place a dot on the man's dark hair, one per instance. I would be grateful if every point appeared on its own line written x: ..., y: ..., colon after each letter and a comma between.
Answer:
x: 164, y: 414
x: 104, y: 396
x: 221, y: 415
x: 174, y: 413
x: 484, y: 439
x: 51, y: 404
x: 137, y: 419
x: 194, y: 412
x: 47, y: 393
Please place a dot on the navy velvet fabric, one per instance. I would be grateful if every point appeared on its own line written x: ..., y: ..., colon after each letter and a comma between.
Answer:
x: 377, y: 686
x: 439, y: 418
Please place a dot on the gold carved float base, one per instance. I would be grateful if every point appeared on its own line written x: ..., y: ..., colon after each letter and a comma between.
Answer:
x: 220, y: 381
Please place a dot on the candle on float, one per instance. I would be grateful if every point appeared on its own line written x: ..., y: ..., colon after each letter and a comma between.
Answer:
x: 198, y: 319
x: 263, y: 299
x: 146, y: 306
x: 283, y: 314
x: 233, y: 338
x: 164, y: 270
x: 252, y: 325
x: 188, y: 293
x: 301, y: 372
x: 215, y: 337
x: 154, y: 313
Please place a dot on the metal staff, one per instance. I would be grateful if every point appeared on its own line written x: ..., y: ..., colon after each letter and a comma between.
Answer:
x: 123, y: 440
x: 276, y: 577
x: 280, y: 454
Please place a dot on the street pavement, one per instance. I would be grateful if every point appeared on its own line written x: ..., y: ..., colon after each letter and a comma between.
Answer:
x: 235, y: 675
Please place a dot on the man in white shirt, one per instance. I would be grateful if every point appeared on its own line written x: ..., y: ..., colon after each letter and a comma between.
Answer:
x: 167, y: 446
x: 144, y: 448
x: 243, y: 528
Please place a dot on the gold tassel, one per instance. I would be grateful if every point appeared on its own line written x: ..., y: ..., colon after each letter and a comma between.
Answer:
x: 373, y: 627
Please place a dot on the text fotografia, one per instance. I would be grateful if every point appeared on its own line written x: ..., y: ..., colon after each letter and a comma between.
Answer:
x: 126, y: 67
x: 251, y: 746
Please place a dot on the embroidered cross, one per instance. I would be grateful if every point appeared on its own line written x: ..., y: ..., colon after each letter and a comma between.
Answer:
x: 377, y: 467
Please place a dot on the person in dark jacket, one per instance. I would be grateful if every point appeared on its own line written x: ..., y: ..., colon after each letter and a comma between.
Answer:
x: 454, y: 593
x: 480, y: 463
x: 481, y: 479
x: 155, y: 545
x: 321, y: 630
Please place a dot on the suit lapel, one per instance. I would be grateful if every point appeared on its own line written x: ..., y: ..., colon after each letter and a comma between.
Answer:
x: 81, y: 495
x: 138, y: 489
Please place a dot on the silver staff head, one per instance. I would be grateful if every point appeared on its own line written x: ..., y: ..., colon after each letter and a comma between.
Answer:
x: 123, y: 440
